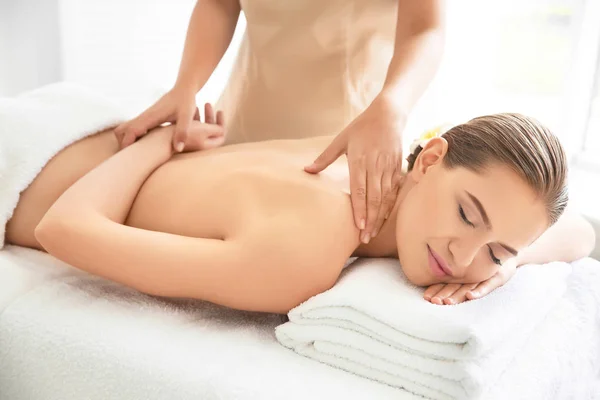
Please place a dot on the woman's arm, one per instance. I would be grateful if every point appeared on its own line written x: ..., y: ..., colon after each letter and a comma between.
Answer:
x: 572, y: 237
x: 84, y: 228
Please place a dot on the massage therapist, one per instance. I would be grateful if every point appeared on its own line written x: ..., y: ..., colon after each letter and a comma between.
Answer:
x: 350, y: 68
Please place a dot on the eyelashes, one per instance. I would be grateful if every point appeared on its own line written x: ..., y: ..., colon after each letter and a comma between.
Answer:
x: 493, y: 257
x: 463, y: 216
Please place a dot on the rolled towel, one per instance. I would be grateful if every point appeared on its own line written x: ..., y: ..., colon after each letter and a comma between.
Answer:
x: 38, y: 124
x: 376, y: 324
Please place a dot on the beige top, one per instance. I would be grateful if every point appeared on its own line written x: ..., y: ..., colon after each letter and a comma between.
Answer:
x: 307, y: 67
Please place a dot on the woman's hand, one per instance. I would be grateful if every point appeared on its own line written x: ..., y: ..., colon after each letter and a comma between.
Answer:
x: 454, y: 293
x: 177, y: 106
x: 205, y: 135
x: 373, y: 144
x: 200, y: 135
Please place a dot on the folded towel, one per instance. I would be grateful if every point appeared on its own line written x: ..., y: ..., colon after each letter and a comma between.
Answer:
x: 561, y: 359
x: 374, y: 323
x: 38, y: 124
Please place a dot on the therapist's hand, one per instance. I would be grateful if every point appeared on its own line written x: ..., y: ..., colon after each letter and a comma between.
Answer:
x: 177, y: 106
x: 454, y: 293
x: 373, y: 145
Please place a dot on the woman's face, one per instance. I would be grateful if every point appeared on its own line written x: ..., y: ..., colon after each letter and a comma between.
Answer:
x: 455, y: 225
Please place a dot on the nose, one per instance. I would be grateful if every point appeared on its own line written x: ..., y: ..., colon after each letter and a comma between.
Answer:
x: 464, y: 251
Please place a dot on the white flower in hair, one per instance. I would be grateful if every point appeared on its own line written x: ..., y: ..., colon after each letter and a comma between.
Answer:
x: 427, y: 136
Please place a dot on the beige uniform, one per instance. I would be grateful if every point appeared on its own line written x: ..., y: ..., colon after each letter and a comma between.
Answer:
x: 307, y: 67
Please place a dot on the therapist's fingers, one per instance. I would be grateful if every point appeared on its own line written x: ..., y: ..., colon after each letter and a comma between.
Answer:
x: 335, y: 149
x: 389, y: 192
x: 358, y: 192
x: 152, y: 117
x: 374, y: 197
x: 128, y: 139
x: 184, y: 119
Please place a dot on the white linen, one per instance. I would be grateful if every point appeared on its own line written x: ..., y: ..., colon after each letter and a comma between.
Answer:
x: 65, y: 334
x: 440, y: 352
x: 36, y: 125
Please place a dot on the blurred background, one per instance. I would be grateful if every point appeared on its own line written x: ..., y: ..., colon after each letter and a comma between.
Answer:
x: 538, y: 57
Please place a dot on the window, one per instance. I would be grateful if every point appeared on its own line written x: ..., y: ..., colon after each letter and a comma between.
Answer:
x: 507, y: 56
x: 592, y: 138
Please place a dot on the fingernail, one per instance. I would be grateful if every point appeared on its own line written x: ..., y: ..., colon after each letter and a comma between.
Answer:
x: 426, y: 297
x: 436, y: 300
x: 449, y: 301
x: 179, y: 147
x: 362, y: 224
x: 366, y: 238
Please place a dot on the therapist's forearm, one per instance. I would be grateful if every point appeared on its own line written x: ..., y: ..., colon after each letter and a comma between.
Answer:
x: 418, y: 50
x: 209, y: 34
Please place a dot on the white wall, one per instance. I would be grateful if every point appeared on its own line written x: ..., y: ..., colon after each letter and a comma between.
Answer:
x: 29, y: 45
x: 131, y: 49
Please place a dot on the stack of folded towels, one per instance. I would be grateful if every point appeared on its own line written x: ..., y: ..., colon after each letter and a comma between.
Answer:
x: 376, y: 324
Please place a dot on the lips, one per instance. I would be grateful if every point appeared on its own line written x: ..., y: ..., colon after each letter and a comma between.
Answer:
x: 437, y: 264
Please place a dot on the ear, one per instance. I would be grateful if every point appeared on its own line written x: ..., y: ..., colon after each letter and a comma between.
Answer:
x: 433, y: 154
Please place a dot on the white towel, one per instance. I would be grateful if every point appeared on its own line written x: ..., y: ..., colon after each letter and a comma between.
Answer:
x: 38, y: 124
x: 374, y: 323
x: 561, y: 360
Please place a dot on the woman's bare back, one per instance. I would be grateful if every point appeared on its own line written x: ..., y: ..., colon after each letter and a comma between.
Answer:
x: 255, y: 189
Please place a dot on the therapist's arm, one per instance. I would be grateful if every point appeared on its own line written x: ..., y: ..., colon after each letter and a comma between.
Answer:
x: 209, y: 34
x: 418, y: 50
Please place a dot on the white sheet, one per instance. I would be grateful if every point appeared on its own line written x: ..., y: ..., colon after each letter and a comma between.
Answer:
x: 65, y: 334
x: 36, y: 125
x: 68, y: 335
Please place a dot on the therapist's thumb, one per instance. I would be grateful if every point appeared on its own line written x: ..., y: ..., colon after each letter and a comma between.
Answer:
x: 182, y: 127
x: 331, y: 153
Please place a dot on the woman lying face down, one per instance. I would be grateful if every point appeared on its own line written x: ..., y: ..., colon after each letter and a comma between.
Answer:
x: 245, y: 227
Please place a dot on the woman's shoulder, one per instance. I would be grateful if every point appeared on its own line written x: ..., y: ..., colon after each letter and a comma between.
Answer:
x: 315, y: 237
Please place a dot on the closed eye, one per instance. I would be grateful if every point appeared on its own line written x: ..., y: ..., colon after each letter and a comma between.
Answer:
x: 494, y: 258
x: 463, y: 216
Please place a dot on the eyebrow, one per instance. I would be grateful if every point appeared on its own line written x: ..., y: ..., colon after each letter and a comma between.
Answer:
x: 486, y: 221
